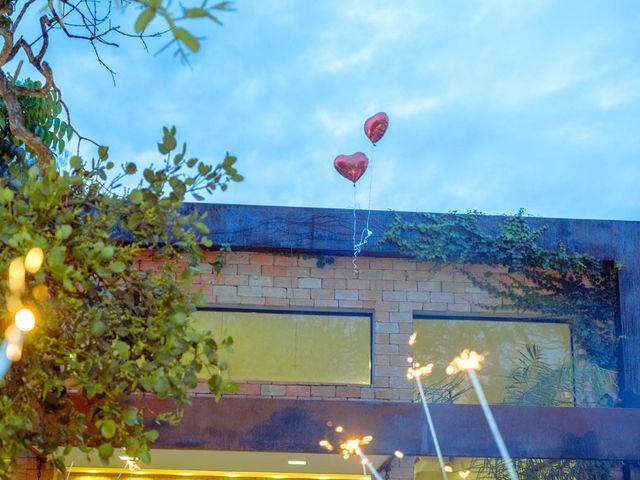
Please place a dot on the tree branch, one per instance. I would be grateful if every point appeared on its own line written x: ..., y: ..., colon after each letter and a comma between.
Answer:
x: 17, y: 124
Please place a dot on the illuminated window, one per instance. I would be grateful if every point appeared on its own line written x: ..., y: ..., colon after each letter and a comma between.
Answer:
x: 526, y: 362
x: 293, y: 347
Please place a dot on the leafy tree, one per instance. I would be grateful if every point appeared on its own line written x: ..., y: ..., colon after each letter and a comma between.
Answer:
x: 108, y: 334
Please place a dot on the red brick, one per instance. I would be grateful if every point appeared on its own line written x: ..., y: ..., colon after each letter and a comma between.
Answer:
x: 298, y: 390
x: 348, y: 391
x: 261, y: 259
x: 276, y: 302
x: 271, y: 271
x: 248, y: 389
x: 285, y: 261
x: 323, y: 391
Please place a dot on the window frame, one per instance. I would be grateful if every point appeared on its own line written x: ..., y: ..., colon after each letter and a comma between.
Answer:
x: 328, y: 312
x: 483, y: 316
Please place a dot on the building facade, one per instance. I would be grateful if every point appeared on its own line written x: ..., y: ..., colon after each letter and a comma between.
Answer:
x: 322, y: 339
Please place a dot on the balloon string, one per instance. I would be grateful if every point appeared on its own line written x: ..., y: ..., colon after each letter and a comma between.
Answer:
x: 366, y: 233
x: 355, y: 246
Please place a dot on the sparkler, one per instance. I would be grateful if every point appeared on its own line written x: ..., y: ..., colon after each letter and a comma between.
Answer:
x: 470, y: 361
x: 415, y: 372
x: 351, y: 448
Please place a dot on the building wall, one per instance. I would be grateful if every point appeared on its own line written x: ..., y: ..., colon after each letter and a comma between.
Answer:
x: 393, y: 289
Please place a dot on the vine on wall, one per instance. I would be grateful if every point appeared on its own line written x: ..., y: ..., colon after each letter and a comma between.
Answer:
x: 556, y: 284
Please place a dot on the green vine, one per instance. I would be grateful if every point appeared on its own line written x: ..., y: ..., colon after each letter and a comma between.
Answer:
x: 557, y: 284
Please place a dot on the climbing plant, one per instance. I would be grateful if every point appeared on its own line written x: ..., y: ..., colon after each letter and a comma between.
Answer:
x: 554, y: 283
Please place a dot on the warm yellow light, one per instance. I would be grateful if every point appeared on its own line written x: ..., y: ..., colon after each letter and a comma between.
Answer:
x: 14, y: 352
x: 468, y: 360
x: 409, y: 359
x: 326, y: 444
x: 364, y: 461
x: 398, y: 454
x: 464, y: 473
x: 40, y: 292
x: 339, y: 429
x: 33, y: 260
x: 13, y: 334
x: 366, y: 440
x: 412, y: 338
x: 25, y: 320
x: 352, y: 444
x: 16, y: 274
x: 418, y: 371
x: 448, y: 468
x: 13, y: 303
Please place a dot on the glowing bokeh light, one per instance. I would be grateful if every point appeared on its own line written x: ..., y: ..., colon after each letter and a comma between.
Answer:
x: 34, y: 259
x: 25, y: 320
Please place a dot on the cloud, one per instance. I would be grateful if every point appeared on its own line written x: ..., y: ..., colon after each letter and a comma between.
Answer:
x: 494, y: 105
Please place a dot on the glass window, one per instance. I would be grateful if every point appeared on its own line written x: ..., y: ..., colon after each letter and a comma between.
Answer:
x: 526, y: 362
x: 293, y: 347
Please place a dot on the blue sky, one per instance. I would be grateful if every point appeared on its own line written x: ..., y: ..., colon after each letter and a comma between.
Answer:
x: 494, y: 105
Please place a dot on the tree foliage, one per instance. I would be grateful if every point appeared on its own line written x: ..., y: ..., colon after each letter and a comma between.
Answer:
x: 109, y: 335
x: 106, y: 331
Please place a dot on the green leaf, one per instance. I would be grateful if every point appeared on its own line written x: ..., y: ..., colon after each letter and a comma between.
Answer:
x: 196, y: 13
x: 201, y: 227
x: 75, y: 162
x: 131, y: 168
x: 103, y: 152
x: 135, y: 196
x: 185, y: 37
x: 108, y: 429
x: 122, y: 349
x: 130, y: 416
x: 117, y: 266
x: 144, y: 19
x: 63, y: 232
x: 151, y: 435
x: 98, y: 327
x: 105, y: 451
x: 230, y: 387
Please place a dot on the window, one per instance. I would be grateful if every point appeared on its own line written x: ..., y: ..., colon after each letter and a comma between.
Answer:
x: 507, y: 345
x: 294, y: 346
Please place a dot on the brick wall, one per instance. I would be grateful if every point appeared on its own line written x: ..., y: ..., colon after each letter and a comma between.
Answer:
x: 392, y: 288
x: 26, y: 468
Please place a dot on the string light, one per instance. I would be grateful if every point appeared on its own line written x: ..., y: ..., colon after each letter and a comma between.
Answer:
x: 25, y: 320
x: 16, y: 275
x: 34, y: 259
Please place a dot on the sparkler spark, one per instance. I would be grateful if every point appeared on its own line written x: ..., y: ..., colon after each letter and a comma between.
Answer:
x: 468, y: 360
x: 351, y: 447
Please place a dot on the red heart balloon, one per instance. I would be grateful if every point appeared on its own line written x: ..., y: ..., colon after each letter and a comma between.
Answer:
x: 351, y: 167
x: 376, y: 126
